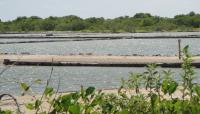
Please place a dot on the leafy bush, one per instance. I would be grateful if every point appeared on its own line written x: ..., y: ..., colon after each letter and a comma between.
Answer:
x: 140, y: 22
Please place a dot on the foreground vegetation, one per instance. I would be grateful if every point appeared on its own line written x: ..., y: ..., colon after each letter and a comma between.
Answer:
x: 140, y: 22
x: 158, y: 98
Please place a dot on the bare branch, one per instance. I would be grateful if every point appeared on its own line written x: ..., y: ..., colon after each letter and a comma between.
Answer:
x: 14, y: 99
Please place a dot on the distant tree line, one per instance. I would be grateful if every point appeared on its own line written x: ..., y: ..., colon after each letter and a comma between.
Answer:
x: 140, y: 22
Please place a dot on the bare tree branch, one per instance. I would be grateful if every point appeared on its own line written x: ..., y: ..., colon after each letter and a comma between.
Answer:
x: 14, y: 99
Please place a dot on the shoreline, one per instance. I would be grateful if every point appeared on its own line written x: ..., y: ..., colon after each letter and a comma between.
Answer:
x: 94, y: 60
x: 83, y: 35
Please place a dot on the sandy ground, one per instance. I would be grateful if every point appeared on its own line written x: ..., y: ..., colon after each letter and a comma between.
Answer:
x: 84, y: 34
x: 95, y: 58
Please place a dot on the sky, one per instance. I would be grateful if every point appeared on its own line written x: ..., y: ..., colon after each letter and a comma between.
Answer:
x: 11, y: 9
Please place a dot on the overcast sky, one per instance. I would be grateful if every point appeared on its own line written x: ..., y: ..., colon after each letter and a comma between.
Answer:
x: 10, y: 9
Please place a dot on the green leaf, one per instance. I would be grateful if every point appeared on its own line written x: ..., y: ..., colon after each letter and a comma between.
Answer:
x: 94, y: 113
x: 24, y: 86
x: 172, y: 87
x: 75, y: 96
x: 165, y: 86
x: 154, y: 97
x: 5, y: 112
x: 43, y: 112
x: 177, y: 105
x: 89, y: 91
x: 75, y: 109
x: 185, y: 49
x: 123, y: 112
x: 57, y: 107
x: 66, y: 101
x: 38, y: 81
x: 48, y: 91
x: 29, y: 106
x: 37, y: 104
x: 197, y: 90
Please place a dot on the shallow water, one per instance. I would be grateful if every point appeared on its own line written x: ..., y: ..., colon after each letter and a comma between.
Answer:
x: 73, y: 77
x: 115, y: 47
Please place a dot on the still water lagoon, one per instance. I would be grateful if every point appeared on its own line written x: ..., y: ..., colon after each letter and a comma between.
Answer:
x: 71, y: 78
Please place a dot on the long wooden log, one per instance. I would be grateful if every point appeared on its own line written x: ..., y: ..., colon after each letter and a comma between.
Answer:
x: 94, y: 60
x: 115, y: 64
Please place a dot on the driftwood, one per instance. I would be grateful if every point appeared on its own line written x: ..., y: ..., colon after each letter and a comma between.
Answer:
x: 35, y: 63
